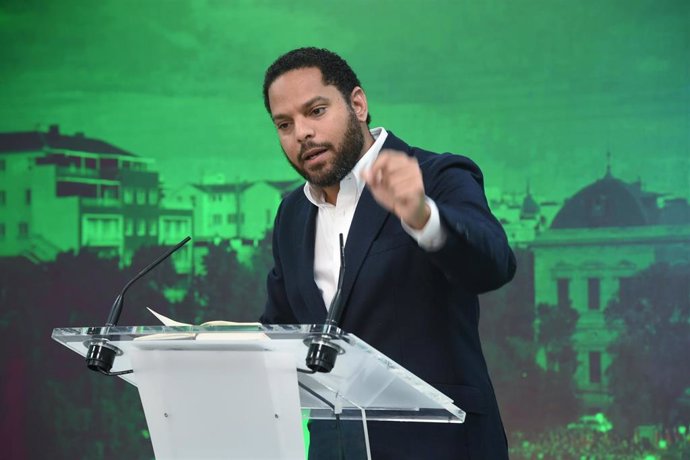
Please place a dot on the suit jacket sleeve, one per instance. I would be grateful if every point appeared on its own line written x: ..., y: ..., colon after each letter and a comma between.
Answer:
x: 476, y: 253
x: 277, y: 310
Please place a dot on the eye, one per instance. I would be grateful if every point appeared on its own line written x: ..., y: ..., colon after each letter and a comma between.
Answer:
x: 282, y: 126
x: 317, y: 111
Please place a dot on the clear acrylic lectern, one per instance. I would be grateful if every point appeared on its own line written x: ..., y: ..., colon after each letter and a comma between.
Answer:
x: 239, y: 392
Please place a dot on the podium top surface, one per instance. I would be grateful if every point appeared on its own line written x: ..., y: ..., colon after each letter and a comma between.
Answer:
x: 362, y: 379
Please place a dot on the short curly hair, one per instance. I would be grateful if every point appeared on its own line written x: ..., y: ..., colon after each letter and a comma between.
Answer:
x: 334, y: 70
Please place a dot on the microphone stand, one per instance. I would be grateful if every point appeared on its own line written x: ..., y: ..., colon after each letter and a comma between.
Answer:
x: 322, y: 351
x: 101, y: 354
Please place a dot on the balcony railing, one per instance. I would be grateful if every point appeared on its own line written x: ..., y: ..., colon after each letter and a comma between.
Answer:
x: 101, y: 202
x: 68, y: 171
x: 103, y: 241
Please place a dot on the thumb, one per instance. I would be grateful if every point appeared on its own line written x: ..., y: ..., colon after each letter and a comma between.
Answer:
x: 366, y: 175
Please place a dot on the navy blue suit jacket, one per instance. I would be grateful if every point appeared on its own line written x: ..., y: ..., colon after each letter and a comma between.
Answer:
x: 419, y: 308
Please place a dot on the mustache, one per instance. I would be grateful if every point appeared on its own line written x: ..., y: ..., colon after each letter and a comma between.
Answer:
x: 313, y: 145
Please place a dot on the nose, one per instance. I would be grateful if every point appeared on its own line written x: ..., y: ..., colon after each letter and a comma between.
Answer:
x: 303, y: 130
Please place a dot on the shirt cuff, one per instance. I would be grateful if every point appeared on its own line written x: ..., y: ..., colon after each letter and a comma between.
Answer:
x: 432, y: 236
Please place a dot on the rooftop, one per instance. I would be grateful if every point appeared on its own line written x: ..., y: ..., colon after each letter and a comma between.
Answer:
x: 33, y: 141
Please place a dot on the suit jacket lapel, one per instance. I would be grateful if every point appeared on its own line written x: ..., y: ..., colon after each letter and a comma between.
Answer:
x: 366, y: 224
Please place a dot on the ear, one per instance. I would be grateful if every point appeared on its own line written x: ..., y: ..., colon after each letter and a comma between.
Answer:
x: 358, y: 101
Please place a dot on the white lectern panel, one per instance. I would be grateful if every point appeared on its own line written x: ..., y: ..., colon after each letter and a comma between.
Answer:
x: 259, y: 419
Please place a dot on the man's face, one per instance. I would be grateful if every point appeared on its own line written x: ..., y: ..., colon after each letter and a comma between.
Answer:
x: 319, y: 131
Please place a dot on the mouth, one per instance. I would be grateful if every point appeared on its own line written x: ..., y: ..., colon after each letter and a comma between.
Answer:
x: 312, y: 155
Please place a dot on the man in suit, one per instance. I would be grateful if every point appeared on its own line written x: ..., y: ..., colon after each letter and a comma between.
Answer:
x: 421, y: 244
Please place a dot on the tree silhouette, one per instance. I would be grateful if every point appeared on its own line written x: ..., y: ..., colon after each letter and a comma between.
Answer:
x: 555, y: 328
x: 151, y: 289
x: 512, y: 334
x: 74, y: 412
x: 226, y: 290
x: 650, y: 371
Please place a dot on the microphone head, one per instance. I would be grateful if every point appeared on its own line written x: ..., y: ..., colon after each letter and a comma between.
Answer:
x: 342, y: 251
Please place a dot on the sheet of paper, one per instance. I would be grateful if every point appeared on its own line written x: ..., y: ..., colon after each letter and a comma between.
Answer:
x: 165, y: 320
x: 228, y: 323
x: 205, y: 336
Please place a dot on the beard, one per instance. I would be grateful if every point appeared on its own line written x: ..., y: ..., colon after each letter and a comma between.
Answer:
x: 345, y: 157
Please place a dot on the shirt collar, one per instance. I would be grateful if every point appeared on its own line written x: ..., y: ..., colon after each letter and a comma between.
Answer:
x: 315, y: 194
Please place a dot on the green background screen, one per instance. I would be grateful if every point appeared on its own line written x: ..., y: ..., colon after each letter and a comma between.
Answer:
x: 125, y: 126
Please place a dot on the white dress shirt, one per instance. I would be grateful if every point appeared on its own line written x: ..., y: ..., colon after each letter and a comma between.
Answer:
x: 332, y: 220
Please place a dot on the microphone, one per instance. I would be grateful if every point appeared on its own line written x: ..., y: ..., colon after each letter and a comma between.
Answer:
x: 335, y: 311
x: 322, y: 352
x: 101, y: 354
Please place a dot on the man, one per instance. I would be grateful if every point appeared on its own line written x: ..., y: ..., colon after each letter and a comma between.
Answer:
x: 421, y: 243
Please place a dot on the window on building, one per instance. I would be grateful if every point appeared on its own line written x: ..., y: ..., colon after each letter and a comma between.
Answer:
x: 141, y: 227
x: 594, y: 367
x: 23, y: 229
x: 73, y: 162
x: 108, y: 228
x: 232, y: 218
x: 27, y: 196
x: 563, y: 292
x: 91, y: 231
x: 217, y: 219
x: 108, y: 163
x: 625, y: 285
x: 3, y: 198
x: 127, y: 195
x: 594, y: 293
x: 129, y: 226
x: 153, y: 228
x: 167, y: 228
x: 77, y: 189
x: 141, y: 196
x: 153, y: 196
x: 111, y: 228
x: 109, y: 192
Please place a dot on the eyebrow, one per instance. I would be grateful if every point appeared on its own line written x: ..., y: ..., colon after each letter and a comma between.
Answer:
x: 309, y: 103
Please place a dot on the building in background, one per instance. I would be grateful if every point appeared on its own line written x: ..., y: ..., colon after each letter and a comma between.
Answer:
x: 231, y: 210
x: 241, y: 212
x: 71, y: 193
x: 603, y: 235
x: 523, y: 217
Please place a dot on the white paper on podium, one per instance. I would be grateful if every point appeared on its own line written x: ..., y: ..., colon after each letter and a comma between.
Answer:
x: 259, y: 385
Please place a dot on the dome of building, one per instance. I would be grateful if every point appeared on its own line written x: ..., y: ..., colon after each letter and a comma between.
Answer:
x: 608, y: 202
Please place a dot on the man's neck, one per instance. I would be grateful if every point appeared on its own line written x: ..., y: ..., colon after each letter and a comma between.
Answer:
x: 330, y: 194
